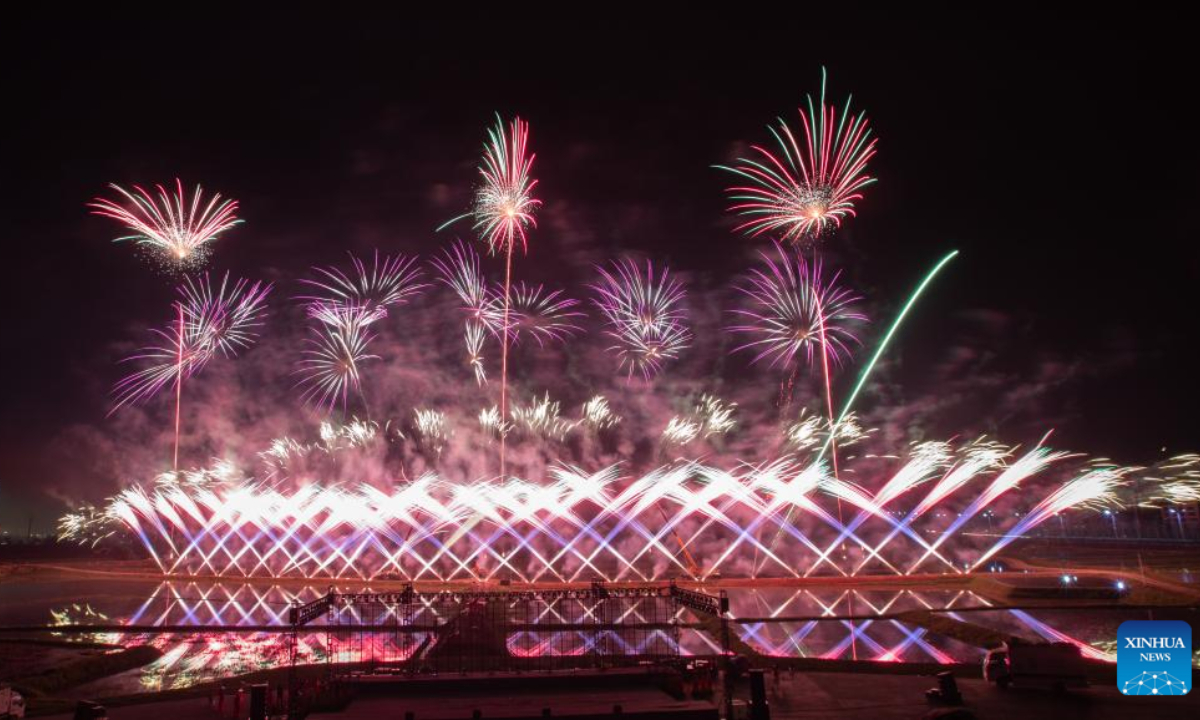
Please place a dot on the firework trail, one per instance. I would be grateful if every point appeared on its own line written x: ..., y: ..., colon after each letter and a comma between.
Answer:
x: 503, y: 211
x: 789, y: 306
x: 1094, y: 488
x: 370, y: 291
x: 221, y: 319
x: 883, y: 346
x: 330, y: 367
x: 179, y: 231
x: 811, y: 185
x: 644, y: 315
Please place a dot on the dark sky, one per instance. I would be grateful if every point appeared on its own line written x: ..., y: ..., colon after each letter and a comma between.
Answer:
x: 1023, y: 144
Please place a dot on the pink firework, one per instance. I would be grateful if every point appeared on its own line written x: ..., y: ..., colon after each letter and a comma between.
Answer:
x: 811, y: 184
x: 460, y: 271
x: 215, y: 320
x: 504, y: 205
x: 178, y: 230
x: 544, y: 315
x: 332, y: 362
x: 792, y: 310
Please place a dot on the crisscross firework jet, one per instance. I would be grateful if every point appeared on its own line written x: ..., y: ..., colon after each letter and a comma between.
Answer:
x: 684, y: 517
x: 177, y: 230
x: 810, y: 186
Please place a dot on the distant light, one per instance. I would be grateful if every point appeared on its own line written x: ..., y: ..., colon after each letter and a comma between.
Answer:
x: 1120, y: 584
x: 1066, y: 579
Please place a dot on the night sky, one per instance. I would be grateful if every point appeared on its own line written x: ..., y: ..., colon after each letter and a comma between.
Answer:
x: 1023, y: 147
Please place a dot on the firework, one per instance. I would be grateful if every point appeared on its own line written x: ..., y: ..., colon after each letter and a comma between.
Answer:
x: 331, y: 364
x: 370, y: 291
x: 644, y: 315
x: 1095, y: 488
x: 709, y: 416
x: 475, y: 335
x: 789, y: 307
x: 432, y: 427
x: 686, y: 517
x: 492, y: 423
x: 811, y: 184
x: 545, y: 315
x: 503, y: 211
x: 542, y: 418
x: 597, y: 415
x: 1174, y: 481
x: 715, y: 415
x: 222, y: 472
x: 681, y: 431
x: 460, y: 271
x: 88, y: 525
x: 504, y: 204
x: 179, y: 231
x: 221, y: 320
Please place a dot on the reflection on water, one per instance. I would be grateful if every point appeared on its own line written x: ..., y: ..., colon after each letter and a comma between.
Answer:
x: 775, y: 622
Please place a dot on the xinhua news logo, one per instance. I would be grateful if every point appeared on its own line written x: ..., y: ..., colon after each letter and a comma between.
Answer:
x: 1154, y: 657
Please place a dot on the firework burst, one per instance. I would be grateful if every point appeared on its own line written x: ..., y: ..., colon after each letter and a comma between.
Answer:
x: 215, y: 320
x: 460, y: 271
x: 544, y: 315
x: 178, y: 230
x: 793, y: 310
x: 504, y: 204
x: 644, y: 315
x: 331, y: 365
x: 368, y: 291
x: 811, y: 184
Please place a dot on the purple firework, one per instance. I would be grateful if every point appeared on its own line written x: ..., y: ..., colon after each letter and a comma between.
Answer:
x: 790, y: 307
x: 644, y: 315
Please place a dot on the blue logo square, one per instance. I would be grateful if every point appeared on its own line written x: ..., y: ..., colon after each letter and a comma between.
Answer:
x: 1154, y: 657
